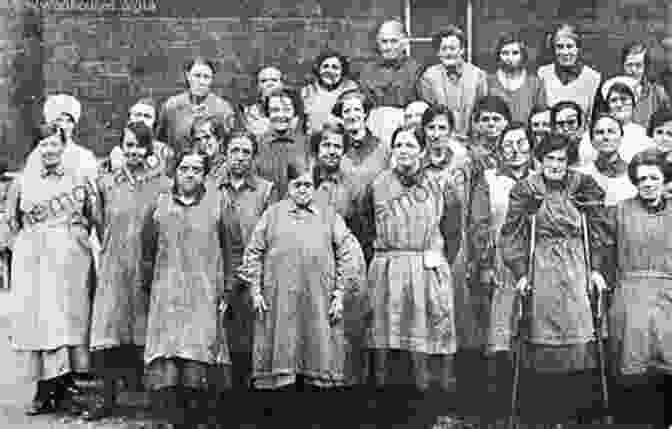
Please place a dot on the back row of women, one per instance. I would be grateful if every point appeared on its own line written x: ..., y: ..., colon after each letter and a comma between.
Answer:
x: 355, y: 235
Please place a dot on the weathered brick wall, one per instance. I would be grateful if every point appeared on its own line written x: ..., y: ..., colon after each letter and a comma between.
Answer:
x: 20, y: 78
x: 110, y: 61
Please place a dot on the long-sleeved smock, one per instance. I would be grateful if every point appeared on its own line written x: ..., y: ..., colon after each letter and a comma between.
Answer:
x: 298, y: 258
x: 318, y: 103
x: 390, y: 83
x: 188, y: 247
x: 413, y: 226
x: 561, y: 313
x: 121, y: 301
x: 276, y: 152
x: 641, y: 321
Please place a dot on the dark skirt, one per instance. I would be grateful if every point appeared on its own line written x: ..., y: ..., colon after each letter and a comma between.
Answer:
x: 122, y: 362
x: 419, y: 370
x: 162, y: 373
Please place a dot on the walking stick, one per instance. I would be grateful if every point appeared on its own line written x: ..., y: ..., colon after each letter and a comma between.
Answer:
x: 524, y: 313
x: 595, y: 297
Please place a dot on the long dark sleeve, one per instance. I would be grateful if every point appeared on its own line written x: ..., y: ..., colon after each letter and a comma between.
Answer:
x: 228, y: 224
x: 363, y: 223
x: 451, y: 224
x: 149, y: 246
x: 514, y: 237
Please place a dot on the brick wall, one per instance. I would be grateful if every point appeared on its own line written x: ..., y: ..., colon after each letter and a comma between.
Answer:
x: 110, y: 59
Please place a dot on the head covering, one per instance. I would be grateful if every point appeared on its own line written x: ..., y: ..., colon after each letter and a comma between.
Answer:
x: 624, y: 80
x: 58, y: 104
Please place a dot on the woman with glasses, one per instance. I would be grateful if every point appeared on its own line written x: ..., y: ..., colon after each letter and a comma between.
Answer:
x: 299, y: 264
x: 187, y: 265
x: 621, y: 100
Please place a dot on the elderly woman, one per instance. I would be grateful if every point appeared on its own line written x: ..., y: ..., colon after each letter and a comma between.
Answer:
x: 519, y: 89
x: 187, y: 239
x: 179, y: 111
x: 286, y: 141
x: 453, y: 82
x: 491, y: 116
x: 64, y: 111
x: 568, y: 78
x: 609, y: 169
x: 640, y: 314
x: 300, y: 262
x: 413, y: 228
x: 207, y: 136
x: 50, y: 214
x: 120, y: 306
x: 515, y: 149
x: 449, y: 161
x: 366, y: 155
x: 389, y: 79
x: 539, y: 122
x: 144, y: 110
x: 331, y: 72
x: 620, y: 99
x: 558, y: 350
x: 268, y: 79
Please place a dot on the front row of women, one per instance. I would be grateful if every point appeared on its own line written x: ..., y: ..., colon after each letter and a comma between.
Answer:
x: 174, y: 283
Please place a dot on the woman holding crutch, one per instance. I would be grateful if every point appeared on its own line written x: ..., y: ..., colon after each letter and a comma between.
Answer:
x: 557, y: 355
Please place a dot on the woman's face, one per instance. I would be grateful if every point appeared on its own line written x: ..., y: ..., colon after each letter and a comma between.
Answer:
x: 621, y: 106
x: 133, y: 151
x: 239, y: 155
x: 607, y: 136
x: 51, y: 150
x: 515, y: 148
x: 200, y: 78
x: 437, y: 128
x: 650, y: 182
x: 354, y: 115
x: 491, y: 124
x: 269, y: 79
x: 635, y: 65
x: 67, y: 123
x: 330, y: 150
x: 406, y: 150
x: 540, y: 124
x: 301, y: 190
x: 662, y: 136
x: 281, y: 113
x: 511, y: 56
x: 566, y: 51
x: 554, y: 165
x: 206, y: 139
x: 331, y: 71
x: 190, y: 174
x: 413, y: 113
x: 451, y: 51
x: 142, y: 113
x: 567, y: 122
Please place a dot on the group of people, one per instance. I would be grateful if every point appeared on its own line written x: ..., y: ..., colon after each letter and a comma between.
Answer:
x: 412, y: 230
